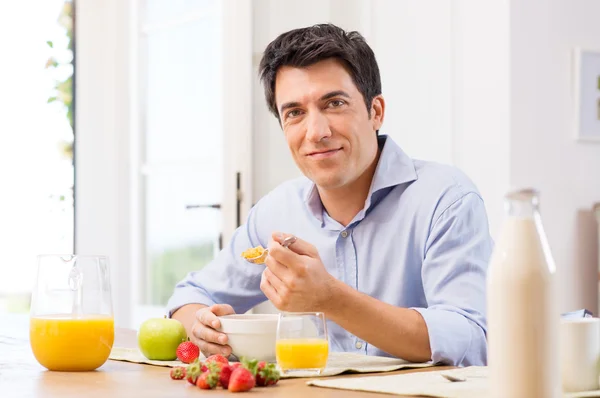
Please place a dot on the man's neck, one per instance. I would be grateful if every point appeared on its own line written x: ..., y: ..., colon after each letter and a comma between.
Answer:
x: 343, y: 204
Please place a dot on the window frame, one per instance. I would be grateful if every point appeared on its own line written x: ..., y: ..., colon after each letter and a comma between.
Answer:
x: 109, y: 216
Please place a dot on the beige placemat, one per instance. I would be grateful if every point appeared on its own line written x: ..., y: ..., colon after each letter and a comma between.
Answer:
x: 427, y: 384
x: 338, y: 362
x: 135, y: 355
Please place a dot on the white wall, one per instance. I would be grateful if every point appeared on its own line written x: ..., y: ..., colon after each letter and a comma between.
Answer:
x: 480, y: 103
x: 543, y: 151
x: 412, y: 41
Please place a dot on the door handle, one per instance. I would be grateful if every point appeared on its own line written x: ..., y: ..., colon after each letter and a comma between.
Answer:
x: 212, y: 206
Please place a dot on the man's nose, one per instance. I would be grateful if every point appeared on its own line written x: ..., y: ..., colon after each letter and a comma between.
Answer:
x: 317, y: 127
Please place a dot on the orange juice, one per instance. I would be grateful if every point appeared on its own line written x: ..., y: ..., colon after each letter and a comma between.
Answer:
x: 302, y: 353
x: 68, y: 343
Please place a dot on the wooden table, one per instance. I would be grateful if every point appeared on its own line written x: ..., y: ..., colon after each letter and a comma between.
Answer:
x: 22, y: 376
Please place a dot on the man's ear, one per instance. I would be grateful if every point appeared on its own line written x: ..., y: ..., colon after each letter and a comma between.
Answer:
x: 377, y: 112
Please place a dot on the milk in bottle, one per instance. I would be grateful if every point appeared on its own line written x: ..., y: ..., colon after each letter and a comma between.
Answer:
x: 523, y: 317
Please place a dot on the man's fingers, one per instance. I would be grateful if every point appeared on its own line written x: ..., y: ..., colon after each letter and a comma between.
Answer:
x: 206, y: 317
x: 222, y: 309
x: 300, y: 246
x: 209, y: 349
x: 210, y: 335
x: 276, y: 268
x: 275, y: 282
x: 268, y: 289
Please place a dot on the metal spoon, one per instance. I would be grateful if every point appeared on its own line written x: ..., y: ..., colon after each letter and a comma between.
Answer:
x: 261, y: 259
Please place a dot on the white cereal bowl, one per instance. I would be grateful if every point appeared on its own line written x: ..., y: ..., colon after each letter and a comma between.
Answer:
x: 251, y: 335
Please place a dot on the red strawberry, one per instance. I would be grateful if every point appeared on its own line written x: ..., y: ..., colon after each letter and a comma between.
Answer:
x: 193, y: 371
x: 210, y: 379
x: 187, y: 352
x: 241, y: 380
x: 217, y: 358
x: 178, y: 373
x: 207, y: 380
x: 266, y: 374
x: 225, y: 374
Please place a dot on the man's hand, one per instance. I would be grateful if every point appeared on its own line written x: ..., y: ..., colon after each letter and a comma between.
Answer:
x: 204, y: 334
x: 295, y: 278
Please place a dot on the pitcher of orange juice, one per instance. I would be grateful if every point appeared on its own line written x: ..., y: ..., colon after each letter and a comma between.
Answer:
x: 71, y: 321
x: 302, y: 345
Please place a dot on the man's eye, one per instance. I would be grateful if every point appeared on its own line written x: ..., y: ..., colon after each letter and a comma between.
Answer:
x: 336, y: 103
x: 293, y: 113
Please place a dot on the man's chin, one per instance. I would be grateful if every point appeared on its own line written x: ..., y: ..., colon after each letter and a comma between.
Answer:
x: 329, y: 182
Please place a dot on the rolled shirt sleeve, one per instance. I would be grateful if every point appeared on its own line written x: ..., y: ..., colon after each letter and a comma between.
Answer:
x: 454, y: 273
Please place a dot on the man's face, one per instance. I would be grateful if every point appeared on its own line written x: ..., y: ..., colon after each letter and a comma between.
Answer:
x: 326, y: 124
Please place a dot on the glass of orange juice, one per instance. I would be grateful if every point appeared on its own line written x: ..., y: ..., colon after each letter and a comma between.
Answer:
x: 302, y: 344
x: 71, y: 322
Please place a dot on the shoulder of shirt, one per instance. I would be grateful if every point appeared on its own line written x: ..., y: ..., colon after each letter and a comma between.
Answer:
x: 442, y: 185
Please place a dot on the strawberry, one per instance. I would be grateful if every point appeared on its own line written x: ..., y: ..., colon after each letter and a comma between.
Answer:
x: 217, y: 358
x: 207, y: 380
x: 251, y: 365
x: 187, y: 352
x: 193, y: 371
x: 266, y: 374
x: 241, y: 379
x: 177, y: 373
x: 225, y: 374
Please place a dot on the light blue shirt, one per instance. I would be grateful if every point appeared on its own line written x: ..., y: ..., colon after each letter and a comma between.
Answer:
x: 422, y: 241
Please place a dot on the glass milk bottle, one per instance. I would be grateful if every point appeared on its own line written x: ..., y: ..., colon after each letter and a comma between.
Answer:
x: 523, y: 317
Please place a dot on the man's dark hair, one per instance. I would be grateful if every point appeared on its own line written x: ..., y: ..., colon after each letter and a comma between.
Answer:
x: 307, y: 46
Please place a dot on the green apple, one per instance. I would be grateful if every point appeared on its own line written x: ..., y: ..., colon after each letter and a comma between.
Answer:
x: 159, y: 338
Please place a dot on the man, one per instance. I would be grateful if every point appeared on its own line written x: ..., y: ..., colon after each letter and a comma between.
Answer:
x: 393, y: 251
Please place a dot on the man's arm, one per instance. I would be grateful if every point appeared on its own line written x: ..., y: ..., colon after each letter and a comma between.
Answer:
x: 400, y: 332
x: 187, y: 315
x: 452, y: 329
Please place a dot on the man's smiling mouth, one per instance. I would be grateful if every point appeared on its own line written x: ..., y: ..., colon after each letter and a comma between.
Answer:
x: 323, y: 154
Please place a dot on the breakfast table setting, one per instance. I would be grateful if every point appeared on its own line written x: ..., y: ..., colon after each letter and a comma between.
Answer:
x: 127, y: 373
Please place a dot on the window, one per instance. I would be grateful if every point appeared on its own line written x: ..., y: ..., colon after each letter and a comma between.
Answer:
x: 186, y: 175
x: 36, y: 137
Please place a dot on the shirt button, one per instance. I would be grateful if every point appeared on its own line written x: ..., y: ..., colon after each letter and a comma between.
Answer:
x: 358, y: 345
x: 344, y: 234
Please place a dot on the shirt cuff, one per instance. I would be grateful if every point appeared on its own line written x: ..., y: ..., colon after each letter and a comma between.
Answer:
x: 450, y: 335
x: 186, y: 295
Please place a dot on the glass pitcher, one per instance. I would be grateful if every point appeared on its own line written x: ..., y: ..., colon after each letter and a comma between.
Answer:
x: 71, y: 319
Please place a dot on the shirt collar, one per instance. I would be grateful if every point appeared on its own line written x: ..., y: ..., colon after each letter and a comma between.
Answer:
x: 394, y: 168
